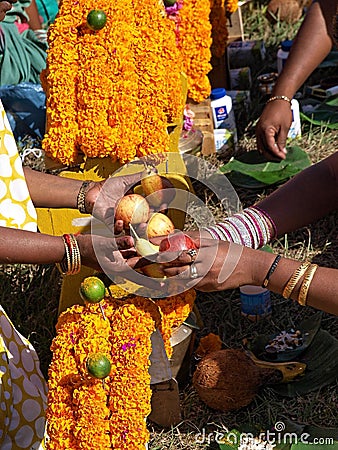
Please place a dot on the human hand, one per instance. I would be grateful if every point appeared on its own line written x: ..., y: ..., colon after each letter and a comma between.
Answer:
x: 102, y: 197
x: 110, y: 255
x: 218, y: 265
x: 272, y: 130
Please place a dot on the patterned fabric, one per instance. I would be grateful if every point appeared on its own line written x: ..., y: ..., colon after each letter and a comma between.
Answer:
x: 23, y: 391
x: 16, y: 207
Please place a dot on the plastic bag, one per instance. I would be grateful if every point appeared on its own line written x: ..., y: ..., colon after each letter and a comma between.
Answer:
x: 25, y: 106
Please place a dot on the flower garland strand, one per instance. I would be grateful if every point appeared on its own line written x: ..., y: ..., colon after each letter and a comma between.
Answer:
x: 158, y: 64
x: 195, y: 43
x: 87, y: 413
x: 174, y: 311
x: 94, y: 85
x: 219, y: 28
x: 111, y: 92
x: 59, y: 81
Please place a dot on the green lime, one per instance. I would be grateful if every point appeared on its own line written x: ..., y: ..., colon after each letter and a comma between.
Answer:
x: 98, y: 365
x: 96, y: 19
x: 92, y: 290
x: 169, y: 2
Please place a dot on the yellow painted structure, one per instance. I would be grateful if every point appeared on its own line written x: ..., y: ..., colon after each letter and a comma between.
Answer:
x: 60, y: 221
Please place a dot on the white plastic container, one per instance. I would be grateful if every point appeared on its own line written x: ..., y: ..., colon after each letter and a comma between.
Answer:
x: 255, y: 302
x: 223, y: 116
x: 295, y: 130
x: 282, y: 54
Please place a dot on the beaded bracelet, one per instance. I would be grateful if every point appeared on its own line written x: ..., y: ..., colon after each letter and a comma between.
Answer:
x: 279, y: 97
x: 304, y: 289
x: 81, y: 197
x: 71, y: 262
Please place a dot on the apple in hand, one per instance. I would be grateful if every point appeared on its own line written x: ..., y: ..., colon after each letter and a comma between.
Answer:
x: 132, y: 208
x: 176, y: 242
x: 157, y: 189
x: 159, y: 225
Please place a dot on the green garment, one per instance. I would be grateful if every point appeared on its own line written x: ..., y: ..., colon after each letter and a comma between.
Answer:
x: 22, y: 56
x: 48, y: 10
x: 18, y: 9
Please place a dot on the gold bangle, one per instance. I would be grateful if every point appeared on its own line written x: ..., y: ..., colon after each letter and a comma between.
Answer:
x: 295, y: 277
x: 279, y: 97
x: 304, y: 289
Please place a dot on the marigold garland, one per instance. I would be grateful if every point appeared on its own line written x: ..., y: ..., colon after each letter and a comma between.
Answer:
x: 114, y: 91
x: 87, y: 413
x: 195, y: 43
x: 174, y: 311
x: 219, y: 28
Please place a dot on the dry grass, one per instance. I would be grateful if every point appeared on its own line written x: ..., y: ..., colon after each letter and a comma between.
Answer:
x: 30, y: 295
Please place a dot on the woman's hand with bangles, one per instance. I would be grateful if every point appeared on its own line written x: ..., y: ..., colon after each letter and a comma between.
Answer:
x: 102, y: 197
x: 272, y: 130
x: 215, y: 266
x: 110, y: 255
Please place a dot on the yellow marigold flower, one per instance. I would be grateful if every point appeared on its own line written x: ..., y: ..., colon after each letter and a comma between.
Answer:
x: 87, y: 413
x: 111, y: 93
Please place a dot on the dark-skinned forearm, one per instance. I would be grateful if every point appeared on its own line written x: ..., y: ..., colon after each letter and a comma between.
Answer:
x: 50, y: 191
x: 18, y: 246
x: 310, y: 195
x: 323, y: 289
x: 311, y: 45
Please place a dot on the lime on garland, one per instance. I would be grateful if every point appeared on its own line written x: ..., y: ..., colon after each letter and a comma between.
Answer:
x: 96, y: 19
x: 169, y: 2
x: 98, y: 365
x: 92, y: 290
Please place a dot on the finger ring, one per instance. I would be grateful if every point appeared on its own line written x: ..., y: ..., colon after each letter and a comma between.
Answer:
x: 193, y: 271
x: 192, y: 253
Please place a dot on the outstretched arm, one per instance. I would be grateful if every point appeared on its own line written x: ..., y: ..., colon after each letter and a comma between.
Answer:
x: 310, y: 195
x: 222, y: 265
x: 312, y: 44
x: 50, y: 191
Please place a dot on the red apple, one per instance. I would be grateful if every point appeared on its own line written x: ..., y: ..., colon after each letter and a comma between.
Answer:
x: 176, y: 242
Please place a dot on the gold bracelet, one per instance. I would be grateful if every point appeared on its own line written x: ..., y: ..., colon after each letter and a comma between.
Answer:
x: 304, y: 289
x: 295, y: 277
x: 279, y: 97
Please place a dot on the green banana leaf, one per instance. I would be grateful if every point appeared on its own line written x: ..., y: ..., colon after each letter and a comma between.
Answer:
x: 308, y: 327
x: 252, y: 170
x: 321, y: 358
x: 325, y: 113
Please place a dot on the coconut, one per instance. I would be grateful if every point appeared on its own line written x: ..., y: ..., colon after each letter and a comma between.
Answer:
x: 228, y: 379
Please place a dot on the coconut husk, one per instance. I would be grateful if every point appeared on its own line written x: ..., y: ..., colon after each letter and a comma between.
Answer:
x: 228, y: 379
x: 284, y: 10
